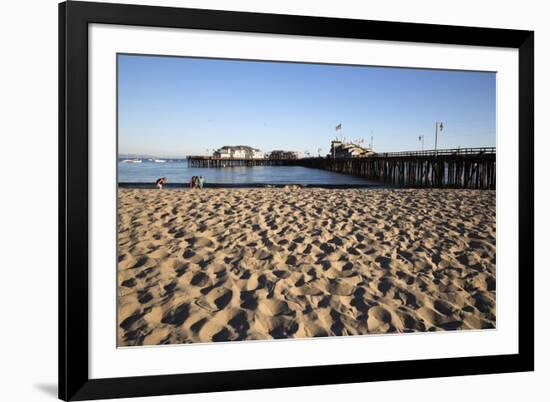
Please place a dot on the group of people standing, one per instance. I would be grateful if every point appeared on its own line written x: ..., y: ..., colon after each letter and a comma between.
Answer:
x: 196, y: 182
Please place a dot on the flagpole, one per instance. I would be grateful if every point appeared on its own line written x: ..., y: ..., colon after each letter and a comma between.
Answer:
x: 338, y: 128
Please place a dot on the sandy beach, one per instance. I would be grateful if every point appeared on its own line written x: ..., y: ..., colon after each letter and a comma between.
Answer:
x: 244, y: 264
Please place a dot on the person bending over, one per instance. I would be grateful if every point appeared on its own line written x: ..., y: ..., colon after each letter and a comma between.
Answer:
x: 160, y: 182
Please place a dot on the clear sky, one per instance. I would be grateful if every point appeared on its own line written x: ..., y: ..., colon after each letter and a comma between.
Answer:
x: 173, y: 106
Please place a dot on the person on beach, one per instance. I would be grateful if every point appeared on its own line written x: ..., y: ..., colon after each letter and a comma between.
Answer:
x: 193, y: 182
x: 200, y: 182
x: 160, y: 182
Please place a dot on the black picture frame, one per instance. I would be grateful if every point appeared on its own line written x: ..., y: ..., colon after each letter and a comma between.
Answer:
x: 74, y: 381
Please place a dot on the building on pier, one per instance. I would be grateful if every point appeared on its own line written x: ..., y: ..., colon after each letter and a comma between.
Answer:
x: 238, y: 152
x: 341, y: 149
x: 280, y: 155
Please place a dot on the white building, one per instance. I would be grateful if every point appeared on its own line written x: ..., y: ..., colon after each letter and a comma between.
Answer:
x: 238, y: 152
x: 222, y: 153
x: 348, y: 150
x: 257, y: 154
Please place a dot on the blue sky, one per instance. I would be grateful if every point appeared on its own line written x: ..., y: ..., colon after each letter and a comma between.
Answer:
x: 173, y: 106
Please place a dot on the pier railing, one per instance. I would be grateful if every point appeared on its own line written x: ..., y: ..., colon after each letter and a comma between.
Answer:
x: 440, y: 152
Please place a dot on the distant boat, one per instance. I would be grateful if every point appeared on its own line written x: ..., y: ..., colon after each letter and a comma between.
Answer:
x: 160, y: 161
x: 133, y: 160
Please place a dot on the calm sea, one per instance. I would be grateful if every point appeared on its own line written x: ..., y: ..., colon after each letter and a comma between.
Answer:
x: 176, y: 171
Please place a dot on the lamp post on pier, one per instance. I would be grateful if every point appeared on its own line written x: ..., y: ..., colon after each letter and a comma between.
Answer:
x: 371, y: 141
x: 438, y: 128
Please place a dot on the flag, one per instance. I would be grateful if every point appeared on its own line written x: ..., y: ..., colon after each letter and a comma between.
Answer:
x: 339, y: 127
x: 419, y: 138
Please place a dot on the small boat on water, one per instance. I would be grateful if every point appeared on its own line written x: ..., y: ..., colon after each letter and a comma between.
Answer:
x: 132, y: 160
x: 160, y: 161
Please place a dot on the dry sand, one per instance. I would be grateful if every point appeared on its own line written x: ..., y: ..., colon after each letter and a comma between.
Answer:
x: 240, y: 264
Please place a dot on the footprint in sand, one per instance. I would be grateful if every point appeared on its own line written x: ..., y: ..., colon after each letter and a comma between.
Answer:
x: 200, y: 279
x: 177, y: 316
x: 129, y: 283
x: 340, y: 288
x: 201, y: 242
x: 217, y: 299
x: 274, y: 307
x: 379, y: 319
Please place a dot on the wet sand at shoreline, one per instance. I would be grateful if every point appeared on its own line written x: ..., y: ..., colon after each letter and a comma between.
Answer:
x: 241, y: 264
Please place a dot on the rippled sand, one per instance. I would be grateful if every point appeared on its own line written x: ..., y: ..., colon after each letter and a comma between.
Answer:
x: 240, y: 264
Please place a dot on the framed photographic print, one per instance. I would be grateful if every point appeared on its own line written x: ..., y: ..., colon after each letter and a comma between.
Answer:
x: 257, y: 200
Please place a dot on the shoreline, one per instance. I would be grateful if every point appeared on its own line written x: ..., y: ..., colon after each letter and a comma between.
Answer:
x: 143, y: 186
x: 381, y: 186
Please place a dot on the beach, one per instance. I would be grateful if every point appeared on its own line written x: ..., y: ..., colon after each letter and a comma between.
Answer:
x: 247, y: 264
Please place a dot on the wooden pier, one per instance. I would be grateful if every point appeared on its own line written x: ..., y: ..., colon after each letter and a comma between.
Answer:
x: 211, y: 162
x: 473, y: 168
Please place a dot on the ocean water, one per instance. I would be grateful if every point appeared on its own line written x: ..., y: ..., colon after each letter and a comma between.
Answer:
x: 177, y: 171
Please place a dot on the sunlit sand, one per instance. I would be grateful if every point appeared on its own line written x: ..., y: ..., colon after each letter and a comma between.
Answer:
x: 244, y: 264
